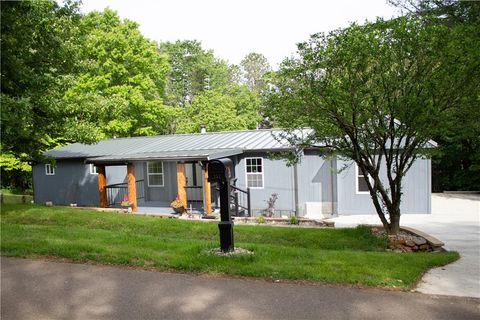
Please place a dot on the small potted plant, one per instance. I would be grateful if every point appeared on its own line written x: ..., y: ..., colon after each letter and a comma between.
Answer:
x: 125, y: 204
x: 178, y: 206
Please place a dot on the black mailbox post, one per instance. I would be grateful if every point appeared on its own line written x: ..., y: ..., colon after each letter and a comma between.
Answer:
x: 220, y: 171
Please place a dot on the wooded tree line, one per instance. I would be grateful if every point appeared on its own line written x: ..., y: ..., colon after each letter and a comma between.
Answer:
x: 379, y: 93
x: 68, y: 77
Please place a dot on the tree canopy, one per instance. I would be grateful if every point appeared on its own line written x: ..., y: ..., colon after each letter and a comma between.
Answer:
x: 66, y: 77
x: 375, y: 94
x: 37, y: 55
x: 456, y: 165
x: 193, y: 71
x: 254, y: 67
x: 120, y: 84
x: 235, y: 108
x: 69, y: 77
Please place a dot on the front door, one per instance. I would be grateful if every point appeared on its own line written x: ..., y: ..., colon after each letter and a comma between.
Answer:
x: 194, y: 183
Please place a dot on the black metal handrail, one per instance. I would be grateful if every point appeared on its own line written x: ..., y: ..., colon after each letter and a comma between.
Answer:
x: 117, y: 191
x: 239, y: 200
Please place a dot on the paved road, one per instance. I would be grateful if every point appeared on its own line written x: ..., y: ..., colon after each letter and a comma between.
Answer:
x: 51, y: 290
x: 455, y: 220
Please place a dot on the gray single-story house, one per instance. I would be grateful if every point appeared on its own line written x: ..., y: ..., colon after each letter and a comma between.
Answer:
x: 152, y: 171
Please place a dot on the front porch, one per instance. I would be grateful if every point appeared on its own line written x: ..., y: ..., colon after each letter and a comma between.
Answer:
x: 153, y: 185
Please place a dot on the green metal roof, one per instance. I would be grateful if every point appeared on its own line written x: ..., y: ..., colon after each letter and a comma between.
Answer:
x: 199, y: 146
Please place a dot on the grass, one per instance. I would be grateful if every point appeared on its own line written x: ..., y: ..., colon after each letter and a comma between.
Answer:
x: 346, y: 256
x: 16, y: 191
x: 14, y: 197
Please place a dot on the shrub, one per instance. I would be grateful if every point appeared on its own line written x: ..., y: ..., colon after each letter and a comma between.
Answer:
x: 293, y: 220
x: 260, y: 219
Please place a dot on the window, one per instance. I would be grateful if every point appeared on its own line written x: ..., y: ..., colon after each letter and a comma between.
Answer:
x: 155, y: 173
x: 93, y: 169
x: 49, y: 169
x: 362, y: 186
x: 254, y: 172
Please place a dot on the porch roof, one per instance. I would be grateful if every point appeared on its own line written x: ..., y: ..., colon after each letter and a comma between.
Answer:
x: 182, y: 155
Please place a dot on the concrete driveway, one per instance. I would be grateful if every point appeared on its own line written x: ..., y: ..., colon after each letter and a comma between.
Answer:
x: 455, y: 220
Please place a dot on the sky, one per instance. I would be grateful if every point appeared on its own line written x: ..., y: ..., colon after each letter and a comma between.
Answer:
x: 234, y: 28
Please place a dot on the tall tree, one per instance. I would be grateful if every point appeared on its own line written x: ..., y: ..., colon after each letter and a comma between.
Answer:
x: 120, y: 87
x: 72, y: 78
x: 456, y: 166
x: 193, y: 70
x: 374, y: 94
x: 37, y: 54
x: 233, y: 108
x: 254, y: 67
x: 211, y: 109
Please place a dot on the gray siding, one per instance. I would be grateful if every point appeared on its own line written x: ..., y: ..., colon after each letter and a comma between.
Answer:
x: 169, y: 190
x: 314, y: 183
x: 416, y: 190
x: 277, y: 178
x: 315, y: 179
x: 72, y: 183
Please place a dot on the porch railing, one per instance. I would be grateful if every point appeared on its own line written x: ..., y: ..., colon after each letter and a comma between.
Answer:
x: 239, y: 198
x: 240, y: 205
x: 241, y: 201
x: 117, y: 191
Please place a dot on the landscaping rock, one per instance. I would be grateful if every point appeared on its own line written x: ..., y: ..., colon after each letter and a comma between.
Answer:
x: 283, y: 221
x: 410, y: 243
x: 424, y: 247
x: 237, y: 251
x: 404, y: 241
x: 419, y: 241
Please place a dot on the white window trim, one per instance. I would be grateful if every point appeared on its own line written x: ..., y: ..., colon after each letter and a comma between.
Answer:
x: 247, y: 173
x: 92, y: 168
x: 156, y: 174
x: 49, y: 169
x: 356, y: 181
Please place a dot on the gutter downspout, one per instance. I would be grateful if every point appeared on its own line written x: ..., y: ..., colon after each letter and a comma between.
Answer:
x: 332, y: 172
x: 295, y: 189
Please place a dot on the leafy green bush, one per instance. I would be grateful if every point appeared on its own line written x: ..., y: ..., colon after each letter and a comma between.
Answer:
x: 293, y: 220
x: 260, y: 219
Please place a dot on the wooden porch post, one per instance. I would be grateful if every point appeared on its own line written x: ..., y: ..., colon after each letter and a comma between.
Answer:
x: 102, y: 182
x: 132, y: 189
x: 182, y: 194
x: 207, y: 191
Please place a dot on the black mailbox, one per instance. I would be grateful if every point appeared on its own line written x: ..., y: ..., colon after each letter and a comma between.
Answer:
x: 220, y: 170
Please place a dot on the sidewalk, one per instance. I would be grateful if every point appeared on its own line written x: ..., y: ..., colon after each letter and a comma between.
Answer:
x: 455, y: 220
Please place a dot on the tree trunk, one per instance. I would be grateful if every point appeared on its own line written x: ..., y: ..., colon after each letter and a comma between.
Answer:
x: 394, y: 225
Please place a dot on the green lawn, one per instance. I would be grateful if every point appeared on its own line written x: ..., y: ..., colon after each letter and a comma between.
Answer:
x: 15, y: 196
x: 348, y: 256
